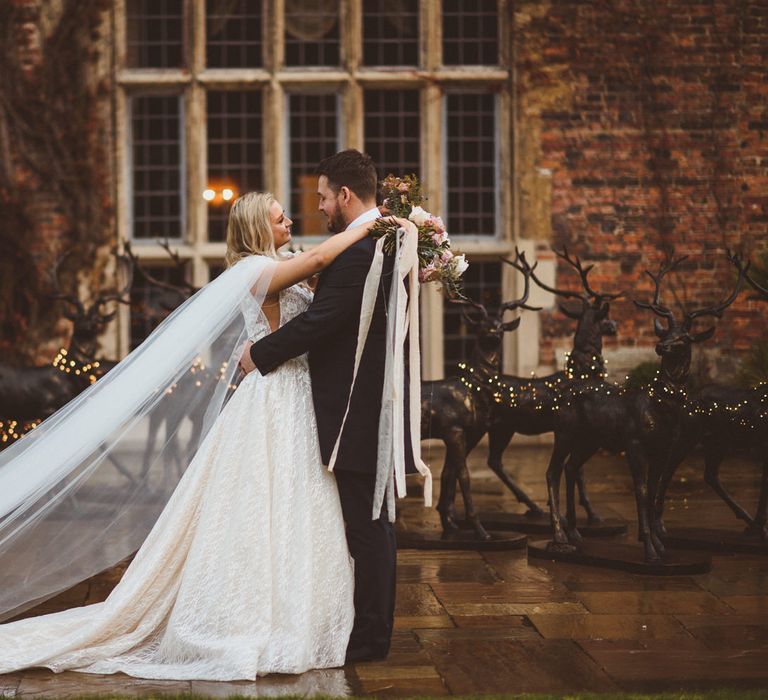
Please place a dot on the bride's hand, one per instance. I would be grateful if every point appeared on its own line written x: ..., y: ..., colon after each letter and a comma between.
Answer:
x: 402, y: 223
x: 246, y: 363
x: 312, y: 282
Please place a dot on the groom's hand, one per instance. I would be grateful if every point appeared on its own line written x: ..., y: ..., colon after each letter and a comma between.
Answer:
x: 246, y: 363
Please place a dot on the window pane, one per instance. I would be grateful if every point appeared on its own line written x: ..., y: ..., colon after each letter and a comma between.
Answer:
x: 155, y: 33
x: 391, y: 32
x: 150, y: 304
x: 482, y: 282
x: 157, y: 169
x: 392, y: 129
x: 313, y: 136
x: 234, y: 152
x: 471, y: 163
x: 311, y: 33
x: 470, y: 33
x: 233, y: 33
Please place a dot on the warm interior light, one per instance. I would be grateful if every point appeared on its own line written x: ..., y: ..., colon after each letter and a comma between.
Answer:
x: 227, y: 194
x: 208, y: 195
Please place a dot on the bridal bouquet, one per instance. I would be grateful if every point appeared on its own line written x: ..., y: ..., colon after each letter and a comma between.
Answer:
x: 437, y: 262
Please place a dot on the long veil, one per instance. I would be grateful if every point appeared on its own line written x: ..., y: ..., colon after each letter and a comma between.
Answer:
x: 82, y: 491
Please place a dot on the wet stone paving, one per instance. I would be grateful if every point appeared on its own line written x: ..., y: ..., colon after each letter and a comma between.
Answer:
x: 491, y: 622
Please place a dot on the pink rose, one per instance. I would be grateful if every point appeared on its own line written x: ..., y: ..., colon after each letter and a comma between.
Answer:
x: 437, y: 223
x: 439, y: 237
x: 427, y: 273
x: 403, y: 187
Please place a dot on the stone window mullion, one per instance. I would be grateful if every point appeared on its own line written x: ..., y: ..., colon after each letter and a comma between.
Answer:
x: 431, y: 163
x: 197, y: 156
x: 275, y: 140
x: 352, y: 96
x: 274, y: 102
x: 431, y: 35
x: 275, y: 33
x: 197, y: 172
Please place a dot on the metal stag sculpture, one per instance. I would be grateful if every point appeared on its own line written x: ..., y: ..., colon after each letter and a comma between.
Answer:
x: 648, y: 424
x: 458, y: 410
x: 31, y: 394
x: 729, y: 418
x: 527, y: 405
x: 177, y: 293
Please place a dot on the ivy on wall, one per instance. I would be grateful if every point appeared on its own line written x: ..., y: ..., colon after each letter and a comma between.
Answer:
x: 54, y: 159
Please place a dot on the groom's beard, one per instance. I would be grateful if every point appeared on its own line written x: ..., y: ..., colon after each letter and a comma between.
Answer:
x: 336, y: 223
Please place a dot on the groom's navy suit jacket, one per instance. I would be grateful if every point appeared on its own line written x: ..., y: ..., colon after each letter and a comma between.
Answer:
x: 327, y: 330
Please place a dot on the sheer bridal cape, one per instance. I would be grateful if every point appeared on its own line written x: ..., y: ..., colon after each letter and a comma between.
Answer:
x: 83, y: 490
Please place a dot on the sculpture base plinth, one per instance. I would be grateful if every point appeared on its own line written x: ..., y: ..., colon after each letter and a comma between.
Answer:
x: 622, y: 556
x: 533, y: 524
x: 463, y: 539
x: 714, y: 540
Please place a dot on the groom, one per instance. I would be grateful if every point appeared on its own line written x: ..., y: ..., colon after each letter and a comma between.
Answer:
x: 347, y: 183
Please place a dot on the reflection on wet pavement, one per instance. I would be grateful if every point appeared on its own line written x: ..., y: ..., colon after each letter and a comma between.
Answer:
x: 470, y: 622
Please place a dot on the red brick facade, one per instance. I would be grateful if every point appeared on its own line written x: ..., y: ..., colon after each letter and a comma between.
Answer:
x: 644, y: 126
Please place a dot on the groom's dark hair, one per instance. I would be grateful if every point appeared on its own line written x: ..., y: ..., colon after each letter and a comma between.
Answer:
x: 351, y: 169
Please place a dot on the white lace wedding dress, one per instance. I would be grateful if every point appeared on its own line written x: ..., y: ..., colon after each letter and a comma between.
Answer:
x: 246, y: 572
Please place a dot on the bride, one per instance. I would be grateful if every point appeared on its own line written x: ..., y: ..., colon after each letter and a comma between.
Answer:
x: 245, y: 570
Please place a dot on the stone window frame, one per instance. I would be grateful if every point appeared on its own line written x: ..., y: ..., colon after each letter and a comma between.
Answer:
x: 276, y: 81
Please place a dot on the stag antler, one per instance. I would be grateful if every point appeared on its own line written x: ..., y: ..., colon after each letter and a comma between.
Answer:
x: 185, y: 289
x: 762, y: 292
x: 467, y: 302
x: 717, y: 310
x: 524, y: 267
x: 58, y: 294
x: 126, y: 262
x: 656, y: 305
x: 569, y: 294
x: 584, y: 275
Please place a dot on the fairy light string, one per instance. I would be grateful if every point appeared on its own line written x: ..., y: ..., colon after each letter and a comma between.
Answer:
x: 64, y: 363
x: 553, y: 394
x: 542, y: 394
x: 12, y: 429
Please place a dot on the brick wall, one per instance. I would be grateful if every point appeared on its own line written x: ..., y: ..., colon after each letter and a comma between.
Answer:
x: 642, y: 127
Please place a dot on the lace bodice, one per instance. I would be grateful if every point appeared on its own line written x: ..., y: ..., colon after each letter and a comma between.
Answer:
x: 293, y: 301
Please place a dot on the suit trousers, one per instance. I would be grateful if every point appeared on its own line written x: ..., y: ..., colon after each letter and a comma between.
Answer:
x: 373, y: 547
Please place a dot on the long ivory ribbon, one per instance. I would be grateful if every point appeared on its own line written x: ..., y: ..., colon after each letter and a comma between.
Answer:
x: 402, y: 320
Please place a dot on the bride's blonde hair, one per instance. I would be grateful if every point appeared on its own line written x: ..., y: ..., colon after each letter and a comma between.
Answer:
x: 249, y: 229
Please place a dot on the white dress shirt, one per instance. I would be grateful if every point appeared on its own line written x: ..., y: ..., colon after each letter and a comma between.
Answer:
x: 365, y: 217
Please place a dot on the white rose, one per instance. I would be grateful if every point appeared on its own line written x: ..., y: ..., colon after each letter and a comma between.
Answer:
x: 419, y: 216
x: 461, y: 264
